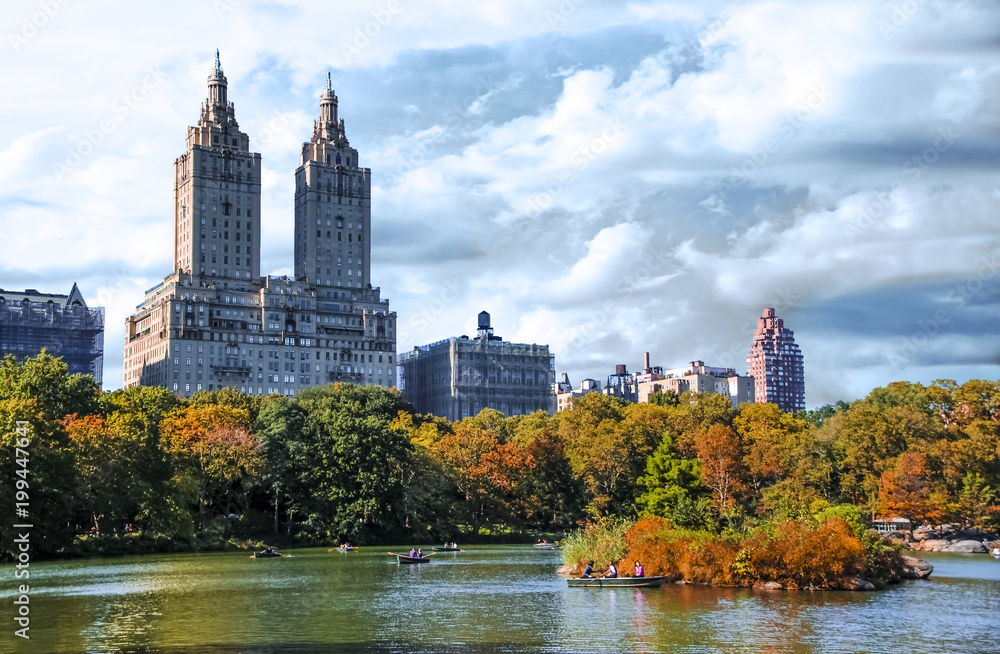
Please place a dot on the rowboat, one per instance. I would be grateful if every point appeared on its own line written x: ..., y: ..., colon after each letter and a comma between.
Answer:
x: 616, y: 582
x: 347, y: 549
x: 265, y: 555
x: 546, y: 546
x: 447, y: 549
x: 402, y: 558
x: 405, y: 559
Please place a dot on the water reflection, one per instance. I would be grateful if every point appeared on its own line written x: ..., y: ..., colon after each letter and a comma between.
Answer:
x: 487, y: 599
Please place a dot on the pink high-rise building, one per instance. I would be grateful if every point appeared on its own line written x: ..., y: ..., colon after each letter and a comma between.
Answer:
x: 775, y: 363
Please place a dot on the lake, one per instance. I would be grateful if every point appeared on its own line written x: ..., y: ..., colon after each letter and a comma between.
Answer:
x: 485, y: 599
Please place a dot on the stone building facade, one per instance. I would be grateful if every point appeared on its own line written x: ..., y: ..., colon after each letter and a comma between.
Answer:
x: 62, y: 325
x: 775, y: 362
x: 215, y: 322
x: 459, y: 377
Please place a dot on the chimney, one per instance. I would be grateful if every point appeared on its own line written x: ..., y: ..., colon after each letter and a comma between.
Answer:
x: 645, y: 362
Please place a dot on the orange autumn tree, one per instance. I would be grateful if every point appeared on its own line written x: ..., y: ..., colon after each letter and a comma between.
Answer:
x: 217, y: 452
x: 722, y: 467
x: 905, y: 490
x: 486, y: 471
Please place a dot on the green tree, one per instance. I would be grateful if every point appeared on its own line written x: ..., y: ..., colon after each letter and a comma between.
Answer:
x: 664, y: 398
x: 673, y: 488
x: 350, y: 463
x: 41, y: 392
x: 281, y: 427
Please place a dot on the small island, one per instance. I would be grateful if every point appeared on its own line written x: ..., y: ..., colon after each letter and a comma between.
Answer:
x: 833, y: 551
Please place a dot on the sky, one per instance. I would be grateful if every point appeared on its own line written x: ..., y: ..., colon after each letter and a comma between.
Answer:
x: 607, y: 178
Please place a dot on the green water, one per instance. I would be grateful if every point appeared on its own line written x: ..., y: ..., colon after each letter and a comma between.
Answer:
x: 485, y: 599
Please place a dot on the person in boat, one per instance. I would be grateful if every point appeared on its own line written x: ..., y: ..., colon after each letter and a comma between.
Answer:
x: 268, y: 550
x: 639, y: 570
x: 588, y: 570
x: 413, y: 552
x: 612, y: 571
x: 420, y: 553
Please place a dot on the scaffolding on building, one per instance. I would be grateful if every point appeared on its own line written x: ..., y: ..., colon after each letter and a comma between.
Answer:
x: 73, y: 332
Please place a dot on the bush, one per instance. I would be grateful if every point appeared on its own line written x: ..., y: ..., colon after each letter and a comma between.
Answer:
x: 801, y: 556
x: 599, y: 542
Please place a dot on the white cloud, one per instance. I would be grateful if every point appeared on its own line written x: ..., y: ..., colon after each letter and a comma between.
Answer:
x: 652, y: 197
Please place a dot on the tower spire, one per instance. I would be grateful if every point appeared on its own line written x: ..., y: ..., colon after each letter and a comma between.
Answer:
x: 218, y: 64
x: 329, y: 83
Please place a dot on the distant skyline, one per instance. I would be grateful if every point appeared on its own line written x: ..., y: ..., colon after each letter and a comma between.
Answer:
x: 606, y: 178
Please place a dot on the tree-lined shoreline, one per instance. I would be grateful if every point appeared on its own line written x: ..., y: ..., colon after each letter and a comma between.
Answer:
x: 139, y: 469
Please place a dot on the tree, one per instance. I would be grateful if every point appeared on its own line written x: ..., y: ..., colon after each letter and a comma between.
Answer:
x: 349, y: 463
x: 904, y: 490
x: 553, y: 495
x: 215, y: 449
x: 772, y: 440
x: 978, y: 502
x: 123, y: 475
x: 664, y: 398
x: 232, y: 398
x: 486, y: 471
x: 41, y: 392
x: 696, y: 412
x: 871, y: 439
x: 280, y: 423
x: 721, y: 465
x: 674, y: 489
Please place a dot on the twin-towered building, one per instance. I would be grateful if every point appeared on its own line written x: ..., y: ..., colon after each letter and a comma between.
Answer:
x: 215, y: 322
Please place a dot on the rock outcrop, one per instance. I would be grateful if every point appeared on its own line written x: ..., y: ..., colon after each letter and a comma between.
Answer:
x: 947, y: 538
x: 915, y: 568
x: 857, y: 583
x: 768, y: 585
